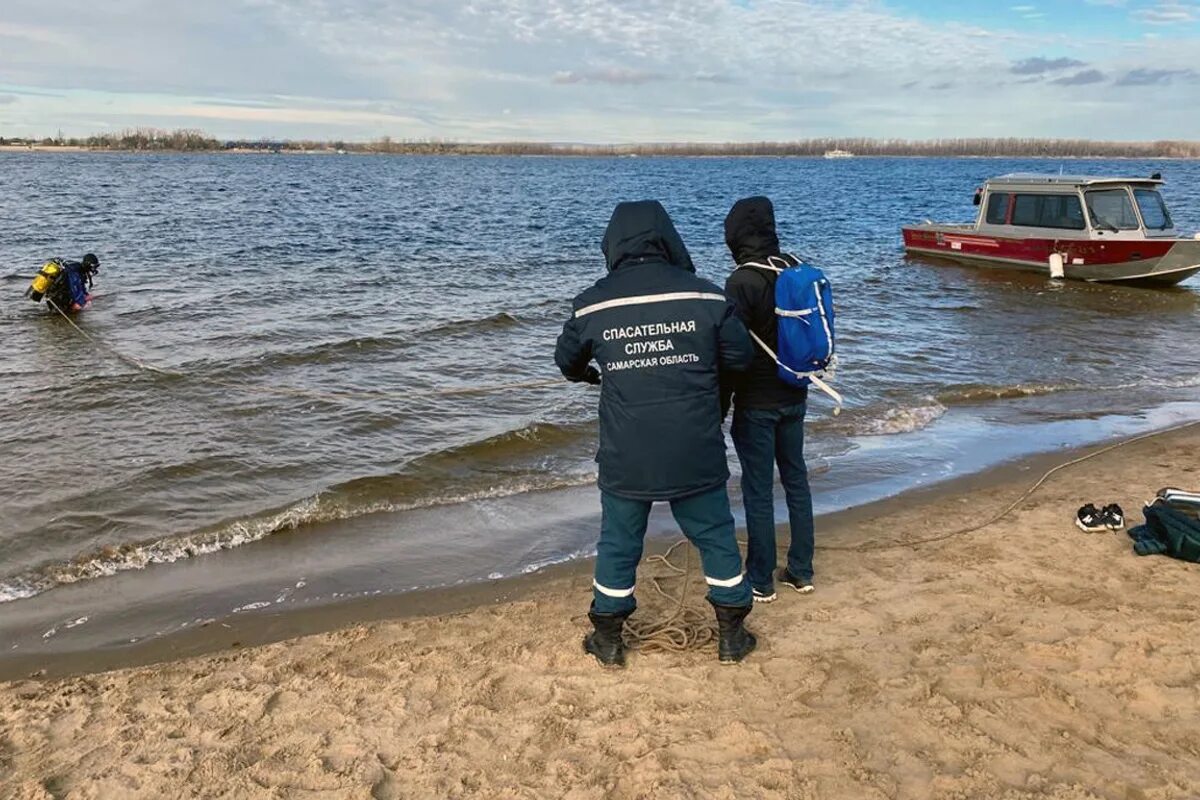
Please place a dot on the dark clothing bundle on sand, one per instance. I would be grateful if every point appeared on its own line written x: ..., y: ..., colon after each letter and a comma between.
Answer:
x: 1172, y: 527
x: 660, y: 333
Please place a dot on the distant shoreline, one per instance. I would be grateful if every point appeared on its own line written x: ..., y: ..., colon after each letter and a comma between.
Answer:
x: 473, y: 151
x: 154, y: 140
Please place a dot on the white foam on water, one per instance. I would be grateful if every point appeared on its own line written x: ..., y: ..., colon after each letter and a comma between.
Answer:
x: 311, y: 511
x: 903, y: 420
x: 538, y: 566
x: 74, y: 623
x: 251, y: 607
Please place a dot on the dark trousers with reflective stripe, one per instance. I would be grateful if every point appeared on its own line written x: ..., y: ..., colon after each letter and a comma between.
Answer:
x: 706, y: 521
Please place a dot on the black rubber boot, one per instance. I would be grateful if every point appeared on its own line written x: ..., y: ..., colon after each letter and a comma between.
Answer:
x: 736, y: 642
x: 605, y: 641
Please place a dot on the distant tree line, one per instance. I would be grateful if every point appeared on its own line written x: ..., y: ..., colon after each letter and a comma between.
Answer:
x: 198, y: 141
x: 183, y: 140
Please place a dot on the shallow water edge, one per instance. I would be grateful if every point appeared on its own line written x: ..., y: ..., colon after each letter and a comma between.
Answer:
x: 96, y: 644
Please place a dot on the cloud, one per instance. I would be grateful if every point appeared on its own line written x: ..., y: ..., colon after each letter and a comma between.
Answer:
x: 1040, y: 66
x: 711, y: 77
x: 1169, y: 13
x: 1155, y: 77
x: 30, y: 92
x: 571, y: 70
x: 1084, y: 78
x: 7, y: 99
x: 615, y: 76
x: 168, y: 47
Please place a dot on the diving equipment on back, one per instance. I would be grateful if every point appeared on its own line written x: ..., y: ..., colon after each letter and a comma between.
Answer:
x: 65, y: 284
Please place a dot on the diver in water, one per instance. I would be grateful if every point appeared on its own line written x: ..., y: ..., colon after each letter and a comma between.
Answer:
x: 65, y: 284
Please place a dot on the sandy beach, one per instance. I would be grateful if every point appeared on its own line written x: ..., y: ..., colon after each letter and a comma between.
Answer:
x: 1027, y: 660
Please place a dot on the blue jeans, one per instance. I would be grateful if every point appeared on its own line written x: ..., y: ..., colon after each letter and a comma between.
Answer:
x: 764, y: 438
x: 706, y: 521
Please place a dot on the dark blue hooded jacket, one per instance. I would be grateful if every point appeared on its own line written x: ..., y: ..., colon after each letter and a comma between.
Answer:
x: 660, y: 335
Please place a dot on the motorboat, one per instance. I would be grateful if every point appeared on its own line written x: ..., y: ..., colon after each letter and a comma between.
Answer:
x: 838, y: 154
x: 1082, y: 227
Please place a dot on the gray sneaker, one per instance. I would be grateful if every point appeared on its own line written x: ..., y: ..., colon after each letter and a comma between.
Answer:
x: 801, y: 585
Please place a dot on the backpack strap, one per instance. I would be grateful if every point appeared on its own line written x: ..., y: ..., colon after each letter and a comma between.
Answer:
x: 812, y: 376
x: 776, y: 264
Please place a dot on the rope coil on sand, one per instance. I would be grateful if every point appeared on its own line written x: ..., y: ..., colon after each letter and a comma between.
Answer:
x: 686, y: 627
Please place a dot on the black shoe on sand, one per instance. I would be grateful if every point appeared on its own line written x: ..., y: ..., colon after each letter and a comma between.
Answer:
x: 735, y: 642
x: 801, y: 585
x: 1113, y: 517
x: 1089, y: 520
x: 605, y: 641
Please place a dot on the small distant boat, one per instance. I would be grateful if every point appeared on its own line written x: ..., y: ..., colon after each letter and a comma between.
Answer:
x: 838, y: 154
x: 1098, y: 229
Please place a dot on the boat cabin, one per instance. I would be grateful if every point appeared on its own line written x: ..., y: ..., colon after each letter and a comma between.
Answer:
x: 1064, y: 206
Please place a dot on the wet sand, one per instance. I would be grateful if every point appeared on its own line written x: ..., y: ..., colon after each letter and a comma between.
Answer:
x: 1024, y: 660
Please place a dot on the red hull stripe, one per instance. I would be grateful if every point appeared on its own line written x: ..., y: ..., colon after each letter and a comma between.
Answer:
x: 1088, y: 251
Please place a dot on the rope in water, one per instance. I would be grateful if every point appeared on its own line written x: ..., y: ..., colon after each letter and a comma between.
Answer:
x: 289, y: 391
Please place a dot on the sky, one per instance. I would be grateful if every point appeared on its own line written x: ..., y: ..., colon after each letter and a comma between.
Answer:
x: 603, y: 71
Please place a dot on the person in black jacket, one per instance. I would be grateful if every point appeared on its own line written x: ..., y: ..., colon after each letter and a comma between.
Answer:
x: 660, y: 335
x: 768, y: 416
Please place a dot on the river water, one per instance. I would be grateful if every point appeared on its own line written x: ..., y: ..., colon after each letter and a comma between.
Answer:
x: 317, y: 313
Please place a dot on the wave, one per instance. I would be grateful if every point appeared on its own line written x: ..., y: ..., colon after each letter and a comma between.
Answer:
x: 903, y: 419
x: 969, y: 393
x: 312, y: 511
x: 430, y: 481
x: 882, y: 420
x: 1178, y: 383
x: 879, y: 420
x: 339, y: 350
x: 324, y: 353
x: 493, y: 322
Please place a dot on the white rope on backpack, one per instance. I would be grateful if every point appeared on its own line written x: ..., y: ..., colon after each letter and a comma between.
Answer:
x: 770, y: 265
x: 811, y: 376
x: 816, y: 378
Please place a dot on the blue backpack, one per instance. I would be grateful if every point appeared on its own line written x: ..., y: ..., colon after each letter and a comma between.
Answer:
x: 805, y: 348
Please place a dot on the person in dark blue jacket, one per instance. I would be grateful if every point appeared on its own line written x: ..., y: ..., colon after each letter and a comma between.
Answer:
x: 768, y: 415
x: 660, y: 335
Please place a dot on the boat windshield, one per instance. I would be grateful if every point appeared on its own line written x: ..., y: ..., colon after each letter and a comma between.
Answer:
x: 1154, y: 210
x: 1110, y: 209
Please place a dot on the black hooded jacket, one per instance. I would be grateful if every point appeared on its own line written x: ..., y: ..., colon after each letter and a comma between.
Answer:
x: 661, y: 336
x: 750, y: 234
